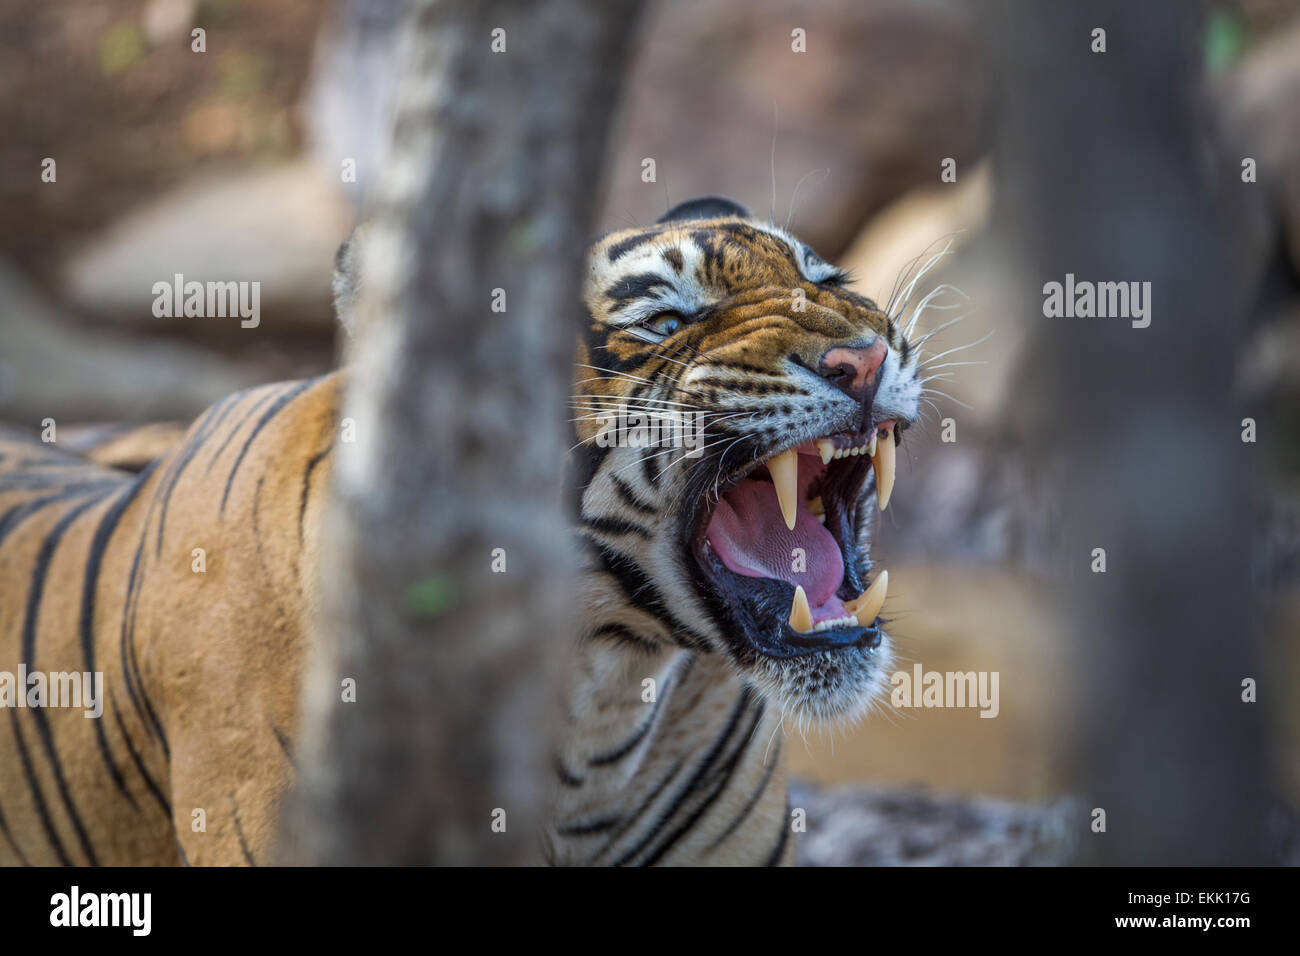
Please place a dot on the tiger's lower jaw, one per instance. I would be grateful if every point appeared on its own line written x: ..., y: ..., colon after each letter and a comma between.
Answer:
x: 828, y: 688
x: 832, y: 676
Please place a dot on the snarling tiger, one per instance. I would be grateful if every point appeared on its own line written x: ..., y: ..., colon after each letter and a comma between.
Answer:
x: 737, y: 413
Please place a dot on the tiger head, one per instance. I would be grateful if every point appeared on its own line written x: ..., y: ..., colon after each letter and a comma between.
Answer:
x: 738, y: 411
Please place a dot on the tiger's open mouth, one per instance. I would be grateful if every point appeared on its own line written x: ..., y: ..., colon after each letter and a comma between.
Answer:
x: 779, y: 547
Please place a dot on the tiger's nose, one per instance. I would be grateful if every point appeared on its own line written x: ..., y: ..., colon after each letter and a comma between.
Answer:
x: 853, y: 371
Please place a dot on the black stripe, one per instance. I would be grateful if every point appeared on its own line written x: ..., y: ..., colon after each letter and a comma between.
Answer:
x: 741, y: 367
x: 208, y: 424
x: 257, y: 530
x: 25, y: 463
x: 615, y: 526
x: 629, y: 496
x: 635, y: 287
x: 139, y: 699
x: 121, y: 644
x: 627, y: 746
x: 271, y: 392
x: 42, y: 811
x: 139, y: 764
x: 650, y: 468
x: 58, y: 481
x: 306, y: 486
x: 599, y: 825
x: 641, y: 592
x: 27, y: 657
x: 94, y: 562
x: 750, y: 804
x: 567, y: 777
x: 775, y: 858
x: 283, y: 741
x: 581, y: 467
x: 620, y: 249
x: 239, y: 832
x: 276, y: 406
x: 19, y: 513
x: 9, y: 838
x: 701, y: 771
x: 709, y: 249
x: 646, y: 804
x: 621, y: 634
x: 748, y: 387
x: 728, y: 770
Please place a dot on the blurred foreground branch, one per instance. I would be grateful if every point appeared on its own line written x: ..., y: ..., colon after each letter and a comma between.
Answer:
x: 448, y: 573
x: 1104, y: 178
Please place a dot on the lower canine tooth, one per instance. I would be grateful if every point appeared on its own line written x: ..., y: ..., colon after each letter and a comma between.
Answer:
x: 827, y: 450
x: 800, y: 612
x: 866, y: 607
x: 784, y: 469
x: 884, y: 463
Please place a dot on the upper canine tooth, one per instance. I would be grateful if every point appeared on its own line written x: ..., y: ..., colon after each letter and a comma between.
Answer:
x: 827, y: 449
x: 784, y: 469
x: 866, y: 607
x: 800, y: 612
x: 884, y: 463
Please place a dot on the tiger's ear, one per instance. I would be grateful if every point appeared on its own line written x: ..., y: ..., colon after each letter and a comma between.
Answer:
x: 709, y: 207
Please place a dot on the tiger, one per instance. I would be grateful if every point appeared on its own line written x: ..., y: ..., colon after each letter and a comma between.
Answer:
x: 726, y: 583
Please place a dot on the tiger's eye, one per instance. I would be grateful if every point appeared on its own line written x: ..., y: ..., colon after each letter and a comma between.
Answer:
x: 665, y: 324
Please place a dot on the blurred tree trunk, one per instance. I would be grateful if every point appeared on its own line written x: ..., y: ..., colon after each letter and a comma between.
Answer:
x: 460, y: 437
x: 1103, y: 174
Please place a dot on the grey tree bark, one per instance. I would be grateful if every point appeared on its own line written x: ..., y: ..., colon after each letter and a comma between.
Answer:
x: 1104, y: 173
x: 488, y: 197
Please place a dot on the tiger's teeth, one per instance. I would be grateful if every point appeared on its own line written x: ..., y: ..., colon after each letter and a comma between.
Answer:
x: 884, y: 461
x: 827, y: 450
x: 871, y: 449
x: 849, y: 621
x: 800, y: 612
x: 784, y: 469
x: 866, y: 607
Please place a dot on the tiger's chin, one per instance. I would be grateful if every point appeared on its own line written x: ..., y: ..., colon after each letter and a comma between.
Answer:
x: 777, y: 547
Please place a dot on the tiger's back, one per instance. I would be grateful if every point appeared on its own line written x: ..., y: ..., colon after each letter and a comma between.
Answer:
x: 189, y: 588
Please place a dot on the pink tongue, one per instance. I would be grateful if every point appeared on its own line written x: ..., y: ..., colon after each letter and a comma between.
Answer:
x: 750, y: 536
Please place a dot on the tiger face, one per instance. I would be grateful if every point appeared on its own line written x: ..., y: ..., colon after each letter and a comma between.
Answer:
x: 738, y: 411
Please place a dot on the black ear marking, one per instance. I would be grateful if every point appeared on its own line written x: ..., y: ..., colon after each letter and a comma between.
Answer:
x: 707, y: 207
